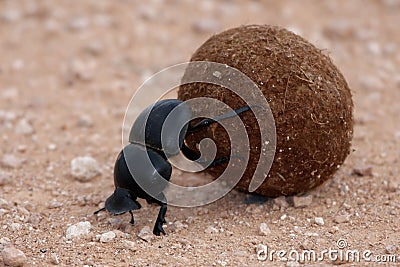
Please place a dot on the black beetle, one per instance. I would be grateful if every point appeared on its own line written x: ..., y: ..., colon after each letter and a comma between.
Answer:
x: 145, y: 143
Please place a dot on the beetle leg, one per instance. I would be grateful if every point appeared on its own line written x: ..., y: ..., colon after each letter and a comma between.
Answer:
x: 207, y: 122
x: 132, y: 219
x: 190, y: 154
x: 97, y: 211
x: 158, y: 226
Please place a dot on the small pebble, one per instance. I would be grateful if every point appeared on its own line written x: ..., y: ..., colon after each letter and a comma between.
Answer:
x: 362, y: 171
x: 145, y: 234
x: 4, y: 241
x: 11, y: 161
x: 4, y: 178
x: 210, y: 229
x: 264, y: 229
x: 127, y: 244
x: 10, y: 94
x: 94, y: 48
x: 85, y: 168
x: 21, y: 148
x: 319, y: 221
x: 302, y: 201
x: 391, y: 249
x: 24, y: 127
x: 342, y: 218
x: 306, y: 245
x: 13, y: 257
x: 179, y: 225
x: 78, y: 230
x: 281, y: 202
x: 107, y: 237
x: 54, y: 259
x: 7, y: 116
x: 3, y: 203
x: 78, y: 23
x: 15, y: 227
x: 10, y: 15
x: 52, y: 147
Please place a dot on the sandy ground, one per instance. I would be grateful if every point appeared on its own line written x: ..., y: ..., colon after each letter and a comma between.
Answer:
x: 67, y: 72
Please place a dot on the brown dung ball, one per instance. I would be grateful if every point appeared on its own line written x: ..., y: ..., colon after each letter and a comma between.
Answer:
x: 309, y: 98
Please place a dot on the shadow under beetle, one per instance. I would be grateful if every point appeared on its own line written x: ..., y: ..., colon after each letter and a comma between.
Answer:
x: 145, y: 143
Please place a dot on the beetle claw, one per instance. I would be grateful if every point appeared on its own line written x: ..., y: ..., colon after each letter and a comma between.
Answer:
x: 158, y: 229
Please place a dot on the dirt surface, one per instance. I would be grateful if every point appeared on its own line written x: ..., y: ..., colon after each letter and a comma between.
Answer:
x: 67, y: 72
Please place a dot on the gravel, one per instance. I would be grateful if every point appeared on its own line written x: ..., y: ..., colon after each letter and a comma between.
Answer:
x: 3, y: 203
x: 13, y: 257
x: 210, y: 229
x: 302, y: 201
x: 85, y: 168
x: 319, y: 221
x: 15, y: 227
x: 4, y: 241
x: 24, y: 127
x: 127, y: 244
x: 145, y: 234
x: 281, y: 202
x: 342, y: 218
x: 11, y: 161
x: 4, y: 178
x: 107, y: 237
x: 264, y: 229
x: 78, y: 230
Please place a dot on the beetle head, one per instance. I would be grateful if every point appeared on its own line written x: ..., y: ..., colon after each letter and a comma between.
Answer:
x: 121, y: 201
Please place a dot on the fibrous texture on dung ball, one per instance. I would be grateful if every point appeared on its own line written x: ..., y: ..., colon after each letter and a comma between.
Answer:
x: 309, y: 98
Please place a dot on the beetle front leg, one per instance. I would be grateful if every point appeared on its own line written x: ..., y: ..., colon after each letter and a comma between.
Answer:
x: 207, y: 122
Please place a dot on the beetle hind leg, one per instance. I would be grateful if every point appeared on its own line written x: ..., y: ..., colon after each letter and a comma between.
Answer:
x: 132, y: 219
x: 158, y: 226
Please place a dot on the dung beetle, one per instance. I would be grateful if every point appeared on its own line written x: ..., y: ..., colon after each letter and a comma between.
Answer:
x: 145, y: 142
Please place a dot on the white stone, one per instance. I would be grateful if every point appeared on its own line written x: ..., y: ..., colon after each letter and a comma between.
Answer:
x: 4, y: 241
x: 319, y: 221
x: 85, y: 168
x: 302, y: 201
x: 342, y: 218
x: 264, y: 229
x: 4, y: 178
x: 13, y: 257
x: 11, y: 161
x: 145, y: 233
x: 23, y: 127
x: 107, y: 237
x: 211, y: 229
x: 129, y: 245
x: 15, y: 227
x: 78, y: 230
x: 3, y: 203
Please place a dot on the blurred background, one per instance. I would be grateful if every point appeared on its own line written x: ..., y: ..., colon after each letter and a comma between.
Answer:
x: 68, y: 70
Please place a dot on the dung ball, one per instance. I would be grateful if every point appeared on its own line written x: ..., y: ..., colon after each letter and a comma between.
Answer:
x: 309, y: 98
